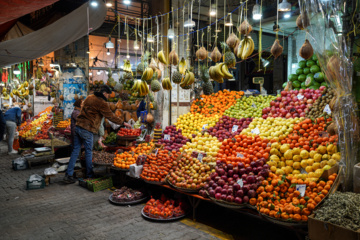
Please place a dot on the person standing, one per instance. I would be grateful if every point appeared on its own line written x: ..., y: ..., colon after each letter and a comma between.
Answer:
x: 88, y: 122
x: 13, y: 119
x: 2, y: 125
x: 74, y: 115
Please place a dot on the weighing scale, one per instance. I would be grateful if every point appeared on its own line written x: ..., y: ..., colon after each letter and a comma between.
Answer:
x: 260, y: 81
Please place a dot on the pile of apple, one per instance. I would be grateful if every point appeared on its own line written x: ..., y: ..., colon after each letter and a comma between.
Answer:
x: 189, y: 173
x: 236, y: 184
x: 177, y: 140
x: 292, y: 104
x: 225, y: 129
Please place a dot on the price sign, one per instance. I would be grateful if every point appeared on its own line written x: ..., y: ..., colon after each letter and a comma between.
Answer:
x: 38, y: 128
x: 253, y: 105
x: 240, y: 182
x: 327, y: 109
x: 234, y: 128
x: 299, y: 96
x: 166, y: 137
x: 255, y: 131
x: 301, y: 188
x: 156, y: 152
x: 200, y: 157
x: 303, y: 171
x: 204, y: 126
x: 239, y: 155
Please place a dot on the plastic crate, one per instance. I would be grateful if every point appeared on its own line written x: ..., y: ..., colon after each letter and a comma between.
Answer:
x: 82, y: 182
x: 100, y: 184
x: 35, y: 184
x: 17, y: 166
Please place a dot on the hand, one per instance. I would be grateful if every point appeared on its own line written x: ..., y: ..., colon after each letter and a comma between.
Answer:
x: 127, y: 125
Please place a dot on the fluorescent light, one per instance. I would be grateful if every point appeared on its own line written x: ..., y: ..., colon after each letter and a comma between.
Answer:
x: 257, y: 12
x: 106, y: 72
x: 94, y: 3
x: 98, y: 72
x: 189, y: 23
x: 109, y: 44
x: 88, y: 51
x: 213, y: 10
x: 108, y: 52
x: 16, y: 70
x: 287, y: 15
x: 171, y: 33
x: 127, y: 2
x: 284, y: 6
x: 108, y: 4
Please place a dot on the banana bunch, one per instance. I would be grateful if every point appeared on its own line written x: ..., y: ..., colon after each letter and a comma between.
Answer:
x: 161, y: 57
x: 141, y: 87
x: 182, y: 66
x: 245, y: 48
x: 127, y: 66
x: 188, y: 79
x: 5, y: 96
x: 220, y: 71
x: 147, y: 74
x: 166, y: 84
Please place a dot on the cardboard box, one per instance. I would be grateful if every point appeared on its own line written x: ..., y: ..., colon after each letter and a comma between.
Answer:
x: 321, y: 230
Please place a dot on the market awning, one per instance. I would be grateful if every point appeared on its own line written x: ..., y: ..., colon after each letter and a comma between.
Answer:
x: 18, y: 30
x: 53, y: 37
x: 13, y: 9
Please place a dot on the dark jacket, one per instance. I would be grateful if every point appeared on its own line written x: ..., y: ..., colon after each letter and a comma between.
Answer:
x: 74, y: 115
x: 94, y: 109
x: 14, y: 115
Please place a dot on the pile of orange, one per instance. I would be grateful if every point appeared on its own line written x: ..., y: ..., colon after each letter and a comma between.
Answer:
x: 124, y: 160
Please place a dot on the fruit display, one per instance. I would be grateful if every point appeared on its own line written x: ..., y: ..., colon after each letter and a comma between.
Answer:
x: 188, y: 79
x: 245, y: 48
x: 193, y: 123
x: 125, y: 194
x: 229, y: 127
x: 64, y: 123
x: 279, y: 198
x: 291, y: 104
x: 143, y: 148
x: 271, y: 128
x: 248, y: 107
x: 189, y: 173
x: 164, y: 208
x: 124, y: 160
x: 43, y: 132
x: 236, y: 183
x: 301, y: 163
x: 158, y: 165
x: 125, y: 132
x: 203, y: 143
x: 101, y: 157
x: 31, y: 128
x: 174, y: 139
x: 215, y: 104
x: 219, y: 72
x: 110, y: 138
x: 319, y: 107
x: 56, y: 142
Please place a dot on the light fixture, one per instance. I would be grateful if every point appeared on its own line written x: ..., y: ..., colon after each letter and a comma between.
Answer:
x: 98, y: 72
x: 127, y: 2
x: 109, y: 44
x: 90, y: 73
x: 218, y: 30
x: 136, y: 46
x: 128, y: 56
x: 108, y: 4
x: 229, y: 23
x: 78, y: 73
x: 88, y: 51
x: 150, y: 39
x: 339, y: 34
x: 54, y: 63
x: 94, y: 3
x: 284, y: 6
x: 108, y: 52
x: 189, y: 23
x: 41, y: 63
x: 213, y: 10
x: 106, y: 72
x: 265, y: 62
x: 257, y: 12
x: 16, y: 70
x: 171, y: 33
x: 287, y: 15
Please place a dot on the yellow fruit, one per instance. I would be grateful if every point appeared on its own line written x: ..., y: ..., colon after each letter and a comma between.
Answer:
x: 315, y: 166
x: 297, y: 158
x: 274, y: 151
x: 288, y: 169
x: 308, y: 169
x: 327, y: 167
x: 304, y: 154
x: 288, y: 154
x: 332, y: 162
x: 275, y: 145
x: 317, y: 157
x: 331, y: 149
x: 296, y: 151
x: 303, y: 163
x: 296, y: 172
x: 323, y: 163
x: 271, y: 163
x: 273, y: 169
x: 289, y: 163
x: 325, y: 157
x: 312, y: 153
x: 296, y: 165
x: 279, y: 172
x: 274, y: 158
x: 336, y: 156
x: 321, y: 150
x: 284, y: 148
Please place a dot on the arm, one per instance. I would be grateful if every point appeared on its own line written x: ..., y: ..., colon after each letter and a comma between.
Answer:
x: 108, y: 114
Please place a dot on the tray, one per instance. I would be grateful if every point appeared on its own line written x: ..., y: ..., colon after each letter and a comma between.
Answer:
x: 160, y: 219
x: 184, y: 189
x: 153, y: 182
x: 42, y: 149
x: 126, y: 203
x: 119, y: 169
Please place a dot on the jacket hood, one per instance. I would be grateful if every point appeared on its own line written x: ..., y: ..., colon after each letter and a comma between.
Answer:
x: 100, y: 95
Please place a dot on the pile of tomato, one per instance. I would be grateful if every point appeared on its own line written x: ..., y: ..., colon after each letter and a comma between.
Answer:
x: 123, y: 132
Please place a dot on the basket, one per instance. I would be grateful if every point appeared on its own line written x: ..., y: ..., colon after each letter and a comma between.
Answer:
x: 35, y: 184
x: 83, y: 182
x: 100, y: 184
x: 17, y: 166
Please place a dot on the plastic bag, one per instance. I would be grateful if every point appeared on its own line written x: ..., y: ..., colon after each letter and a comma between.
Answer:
x: 35, y: 177
x: 135, y: 170
x: 50, y: 171
x: 113, y: 125
x: 20, y: 161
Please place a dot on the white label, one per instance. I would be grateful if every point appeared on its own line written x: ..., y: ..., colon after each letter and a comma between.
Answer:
x: 253, y: 105
x: 200, y: 157
x: 156, y: 152
x: 42, y: 114
x: 303, y: 171
x: 47, y: 121
x: 301, y: 188
x: 234, y: 128
x: 299, y: 96
x: 38, y: 128
x: 166, y: 137
x: 239, y: 155
x: 327, y: 109
x: 240, y: 182
x: 255, y: 131
x: 204, y: 126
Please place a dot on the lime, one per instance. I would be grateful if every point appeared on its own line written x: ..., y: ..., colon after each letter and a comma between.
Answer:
x: 306, y: 71
x: 314, y: 69
x: 299, y: 71
x: 319, y: 77
x: 302, y: 64
x: 310, y: 63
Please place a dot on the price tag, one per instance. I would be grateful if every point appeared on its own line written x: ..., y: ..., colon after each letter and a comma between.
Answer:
x: 42, y: 114
x: 240, y: 182
x: 239, y: 155
x: 299, y: 96
x: 156, y: 152
x: 200, y: 157
x: 253, y: 105
x: 301, y: 188
x: 166, y: 137
x: 234, y: 128
x: 255, y: 131
x: 204, y: 126
x: 38, y: 128
x: 303, y: 171
x: 327, y: 109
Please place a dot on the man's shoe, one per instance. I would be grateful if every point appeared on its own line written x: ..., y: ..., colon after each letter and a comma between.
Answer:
x: 13, y: 152
x: 69, y: 179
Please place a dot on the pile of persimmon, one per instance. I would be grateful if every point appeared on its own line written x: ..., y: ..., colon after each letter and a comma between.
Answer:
x: 143, y: 148
x: 216, y: 103
x: 309, y: 135
x: 243, y: 149
x: 157, y: 166
x: 124, y: 160
x: 278, y: 197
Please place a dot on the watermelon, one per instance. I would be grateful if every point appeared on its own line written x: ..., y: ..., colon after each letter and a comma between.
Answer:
x: 293, y: 77
x: 314, y: 57
x: 302, y: 64
x: 299, y: 71
x: 296, y: 84
x: 303, y: 85
x: 319, y: 77
x: 315, y: 69
x: 310, y: 63
x: 302, y: 77
x: 306, y: 71
x: 309, y: 82
x: 310, y: 75
x: 324, y: 84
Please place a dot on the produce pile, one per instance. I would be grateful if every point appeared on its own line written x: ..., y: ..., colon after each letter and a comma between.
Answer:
x: 126, y: 194
x: 101, y: 157
x: 165, y: 208
x: 56, y: 142
x: 124, y: 132
x: 64, y: 123
x: 175, y: 140
x: 30, y: 128
x: 228, y: 127
x: 125, y: 159
x: 111, y: 138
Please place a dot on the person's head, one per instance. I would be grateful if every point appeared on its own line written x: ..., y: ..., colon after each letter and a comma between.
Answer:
x: 105, y: 90
x: 77, y: 103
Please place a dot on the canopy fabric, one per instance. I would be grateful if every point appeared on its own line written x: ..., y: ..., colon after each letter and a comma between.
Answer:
x: 18, y: 30
x: 13, y: 9
x: 53, y: 37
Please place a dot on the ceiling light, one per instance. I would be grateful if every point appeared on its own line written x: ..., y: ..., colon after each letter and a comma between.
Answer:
x: 136, y: 46
x: 108, y: 52
x: 213, y: 10
x: 257, y: 12
x: 287, y: 15
x: 189, y: 23
x: 109, y: 44
x: 94, y: 3
x: 218, y: 30
x: 16, y: 70
x: 171, y: 33
x: 90, y: 73
x: 106, y: 72
x: 128, y: 56
x: 41, y: 63
x: 284, y: 6
x: 150, y: 39
x: 78, y: 73
x: 98, y: 72
x: 127, y: 2
x: 108, y: 4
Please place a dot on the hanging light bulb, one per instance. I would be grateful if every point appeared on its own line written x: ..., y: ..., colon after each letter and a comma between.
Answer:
x: 78, y: 73
x: 98, y: 72
x: 128, y: 56
x: 127, y: 2
x: 108, y: 4
x: 41, y: 63
x: 265, y: 62
x: 90, y: 73
x: 109, y: 44
x: 257, y: 11
x: 287, y: 15
x: 229, y: 23
x: 94, y: 3
x: 213, y: 10
x: 189, y: 23
x: 150, y: 39
x: 136, y: 46
x: 171, y: 33
x: 108, y: 52
x: 284, y: 6
x: 16, y: 70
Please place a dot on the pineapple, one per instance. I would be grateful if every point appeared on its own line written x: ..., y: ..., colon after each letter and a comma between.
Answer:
x: 204, y: 76
x: 176, y: 77
x: 229, y: 57
x: 155, y: 85
x: 143, y: 64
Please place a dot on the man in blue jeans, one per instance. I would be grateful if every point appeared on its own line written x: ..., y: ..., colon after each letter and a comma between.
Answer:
x: 94, y: 108
x: 13, y: 119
